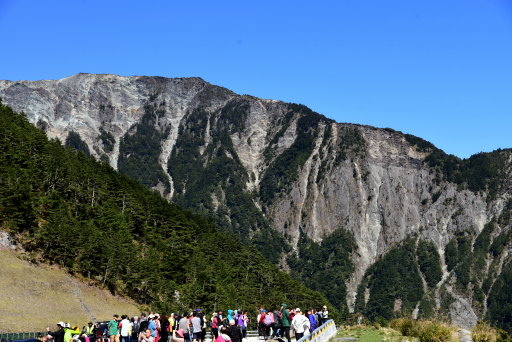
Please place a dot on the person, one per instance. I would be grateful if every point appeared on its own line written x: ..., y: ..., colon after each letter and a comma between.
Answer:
x: 276, y: 327
x: 176, y: 319
x: 126, y: 329
x: 144, y: 323
x: 312, y: 320
x: 234, y: 332
x: 135, y: 322
x: 223, y: 336
x: 70, y: 332
x: 261, y: 323
x: 165, y: 327
x: 318, y: 317
x: 200, y: 314
x: 152, y: 325
x: 222, y: 319
x: 268, y: 320
x: 113, y: 328
x: 215, y: 325
x: 196, y: 327
x: 285, y: 322
x: 300, y: 324
x: 325, y: 315
x: 146, y: 336
x: 57, y: 335
x: 244, y: 319
x: 157, y: 324
x: 184, y: 325
x: 229, y: 317
x: 88, y: 332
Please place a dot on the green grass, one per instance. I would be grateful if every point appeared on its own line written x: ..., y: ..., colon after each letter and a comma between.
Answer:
x: 366, y: 333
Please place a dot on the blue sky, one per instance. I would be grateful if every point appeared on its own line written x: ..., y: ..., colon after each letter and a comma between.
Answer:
x: 441, y: 70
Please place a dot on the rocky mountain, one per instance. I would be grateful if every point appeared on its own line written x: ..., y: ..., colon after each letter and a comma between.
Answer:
x: 382, y: 222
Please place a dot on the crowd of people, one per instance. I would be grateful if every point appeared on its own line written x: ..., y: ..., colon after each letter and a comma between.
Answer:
x: 192, y: 326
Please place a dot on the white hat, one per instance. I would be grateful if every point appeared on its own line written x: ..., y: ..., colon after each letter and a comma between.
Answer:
x: 297, y: 310
x: 151, y: 316
x: 67, y: 325
x: 62, y: 324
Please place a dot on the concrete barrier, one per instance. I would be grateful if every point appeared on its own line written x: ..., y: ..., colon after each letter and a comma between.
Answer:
x: 322, y: 333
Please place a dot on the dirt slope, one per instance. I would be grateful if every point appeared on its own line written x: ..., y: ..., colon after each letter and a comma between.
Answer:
x: 33, y: 297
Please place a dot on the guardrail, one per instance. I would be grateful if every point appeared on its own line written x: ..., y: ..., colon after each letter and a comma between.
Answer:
x: 322, y: 333
x: 19, y: 336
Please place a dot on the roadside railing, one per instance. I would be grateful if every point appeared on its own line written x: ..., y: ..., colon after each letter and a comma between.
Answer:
x: 322, y: 333
x: 19, y: 336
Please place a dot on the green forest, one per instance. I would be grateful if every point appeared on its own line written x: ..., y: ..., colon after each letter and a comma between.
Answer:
x: 68, y: 209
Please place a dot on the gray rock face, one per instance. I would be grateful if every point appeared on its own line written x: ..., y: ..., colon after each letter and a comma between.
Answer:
x: 6, y: 241
x: 370, y: 181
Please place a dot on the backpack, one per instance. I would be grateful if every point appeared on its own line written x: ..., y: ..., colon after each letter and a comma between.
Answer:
x: 136, y: 326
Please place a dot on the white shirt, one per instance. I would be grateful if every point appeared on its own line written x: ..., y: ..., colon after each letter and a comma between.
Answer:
x: 300, y: 322
x: 126, y: 327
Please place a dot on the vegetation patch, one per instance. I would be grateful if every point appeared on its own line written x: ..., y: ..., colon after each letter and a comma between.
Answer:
x: 140, y: 148
x: 74, y: 141
x: 326, y: 266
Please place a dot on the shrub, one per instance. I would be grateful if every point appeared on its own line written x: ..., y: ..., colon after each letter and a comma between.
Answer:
x: 434, y: 332
x: 425, y: 331
x: 503, y: 336
x: 406, y: 326
x: 482, y: 332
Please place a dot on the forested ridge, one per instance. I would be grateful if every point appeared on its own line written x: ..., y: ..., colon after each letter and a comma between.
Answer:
x: 66, y: 208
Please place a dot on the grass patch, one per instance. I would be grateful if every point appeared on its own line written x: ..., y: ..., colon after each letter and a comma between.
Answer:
x: 366, y: 333
x: 424, y: 331
x: 33, y: 297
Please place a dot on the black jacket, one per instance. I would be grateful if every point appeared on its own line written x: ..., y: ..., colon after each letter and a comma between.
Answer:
x: 235, y: 333
x: 58, y: 336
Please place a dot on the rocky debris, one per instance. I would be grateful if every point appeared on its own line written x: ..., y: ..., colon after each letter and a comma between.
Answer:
x: 6, y: 241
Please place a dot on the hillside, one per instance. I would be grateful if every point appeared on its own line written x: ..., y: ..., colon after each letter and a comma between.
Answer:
x: 66, y: 208
x: 335, y: 204
x: 33, y: 297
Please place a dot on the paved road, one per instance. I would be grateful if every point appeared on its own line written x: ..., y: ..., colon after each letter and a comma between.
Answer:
x: 465, y: 335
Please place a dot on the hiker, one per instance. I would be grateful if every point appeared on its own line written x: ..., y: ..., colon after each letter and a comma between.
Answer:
x: 152, y: 325
x: 144, y: 323
x: 268, y: 320
x: 243, y: 321
x: 126, y: 329
x: 325, y: 315
x: 261, y: 323
x: 165, y: 327
x: 88, y: 332
x: 234, y: 332
x: 223, y: 336
x: 276, y: 326
x: 285, y: 322
x: 300, y: 324
x: 113, y: 328
x: 197, y: 329
x: 184, y: 325
x: 135, y: 323
x: 70, y: 332
x: 312, y: 320
x: 215, y: 326
x: 222, y: 319
x: 57, y: 335
x: 146, y: 336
